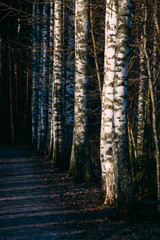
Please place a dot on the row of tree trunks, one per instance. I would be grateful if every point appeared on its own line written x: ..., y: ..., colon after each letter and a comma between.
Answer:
x: 115, y: 164
x: 114, y: 157
x: 60, y: 39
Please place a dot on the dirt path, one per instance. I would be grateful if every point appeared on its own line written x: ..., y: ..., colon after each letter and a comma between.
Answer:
x: 39, y: 202
x: 29, y: 206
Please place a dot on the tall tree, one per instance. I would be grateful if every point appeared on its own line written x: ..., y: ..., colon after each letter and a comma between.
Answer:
x: 41, y: 81
x: 49, y: 142
x: 58, y: 131
x: 106, y: 154
x: 45, y: 73
x: 123, y: 178
x: 69, y: 77
x: 141, y: 88
x: 80, y: 147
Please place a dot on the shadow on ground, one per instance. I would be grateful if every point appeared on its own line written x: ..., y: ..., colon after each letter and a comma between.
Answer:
x: 37, y: 201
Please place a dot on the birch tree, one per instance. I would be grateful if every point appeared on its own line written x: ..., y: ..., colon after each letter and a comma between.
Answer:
x: 140, y: 116
x: 42, y: 94
x: 49, y: 141
x: 106, y: 154
x: 45, y: 74
x: 124, y: 187
x: 58, y: 133
x: 70, y: 76
x: 80, y: 147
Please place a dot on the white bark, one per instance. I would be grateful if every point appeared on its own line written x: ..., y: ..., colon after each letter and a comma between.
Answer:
x: 50, y: 82
x: 57, y: 86
x: 39, y: 75
x: 43, y: 75
x: 106, y: 155
x: 45, y: 89
x: 142, y: 80
x: 124, y: 185
x: 81, y: 80
x: 80, y: 148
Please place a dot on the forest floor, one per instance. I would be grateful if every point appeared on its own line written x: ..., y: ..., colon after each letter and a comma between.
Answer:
x: 37, y: 201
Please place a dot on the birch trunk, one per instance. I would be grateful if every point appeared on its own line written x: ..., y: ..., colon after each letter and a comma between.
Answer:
x: 50, y: 82
x: 106, y: 155
x: 44, y: 75
x: 142, y: 80
x: 41, y: 81
x: 70, y: 76
x: 58, y: 138
x: 80, y: 146
x: 39, y: 75
x: 124, y: 185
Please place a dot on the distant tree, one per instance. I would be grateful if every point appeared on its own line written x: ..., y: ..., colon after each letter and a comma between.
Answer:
x: 34, y: 100
x: 41, y: 81
x: 45, y: 74
x: 49, y: 141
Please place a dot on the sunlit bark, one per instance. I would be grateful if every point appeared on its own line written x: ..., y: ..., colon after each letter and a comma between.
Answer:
x: 124, y: 185
x: 106, y: 155
x: 58, y: 134
x: 80, y: 148
x: 141, y: 89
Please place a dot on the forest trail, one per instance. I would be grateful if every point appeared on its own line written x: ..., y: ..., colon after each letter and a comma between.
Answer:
x: 28, y: 205
x: 39, y: 202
